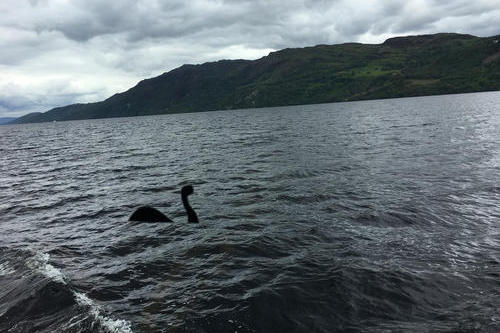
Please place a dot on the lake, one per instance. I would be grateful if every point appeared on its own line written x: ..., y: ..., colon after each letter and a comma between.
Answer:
x: 374, y: 216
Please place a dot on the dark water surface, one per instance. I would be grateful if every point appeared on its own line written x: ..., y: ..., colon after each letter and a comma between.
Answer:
x: 378, y: 216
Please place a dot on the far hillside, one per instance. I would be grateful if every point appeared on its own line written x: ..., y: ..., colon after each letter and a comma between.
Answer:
x: 403, y: 66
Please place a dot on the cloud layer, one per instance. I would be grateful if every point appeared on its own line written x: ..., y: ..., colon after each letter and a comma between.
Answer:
x: 57, y: 52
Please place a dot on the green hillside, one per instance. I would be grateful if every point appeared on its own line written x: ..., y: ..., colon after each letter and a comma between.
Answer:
x: 401, y: 66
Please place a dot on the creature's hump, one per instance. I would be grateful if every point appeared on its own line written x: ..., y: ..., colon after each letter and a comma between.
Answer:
x: 148, y: 214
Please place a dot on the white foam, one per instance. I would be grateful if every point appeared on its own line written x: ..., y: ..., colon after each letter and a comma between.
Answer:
x: 110, y: 325
x: 5, y: 269
x: 40, y: 263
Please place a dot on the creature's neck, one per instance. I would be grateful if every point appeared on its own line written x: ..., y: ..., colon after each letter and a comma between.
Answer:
x: 192, y: 218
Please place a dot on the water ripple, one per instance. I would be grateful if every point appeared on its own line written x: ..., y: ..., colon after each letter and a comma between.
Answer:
x: 371, y: 216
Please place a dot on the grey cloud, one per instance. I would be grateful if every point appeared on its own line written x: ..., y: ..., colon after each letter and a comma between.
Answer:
x: 81, y: 20
x: 16, y: 105
x: 22, y: 45
x: 84, y: 20
x: 287, y: 23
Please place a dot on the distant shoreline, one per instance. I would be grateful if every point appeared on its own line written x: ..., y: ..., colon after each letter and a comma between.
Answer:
x: 270, y: 107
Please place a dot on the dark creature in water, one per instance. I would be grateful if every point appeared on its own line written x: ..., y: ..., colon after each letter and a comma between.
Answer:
x: 150, y: 214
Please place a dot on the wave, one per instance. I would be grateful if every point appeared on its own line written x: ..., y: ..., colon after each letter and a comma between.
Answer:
x: 36, y: 296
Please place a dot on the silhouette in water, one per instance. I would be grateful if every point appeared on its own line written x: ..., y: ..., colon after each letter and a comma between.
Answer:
x: 150, y: 214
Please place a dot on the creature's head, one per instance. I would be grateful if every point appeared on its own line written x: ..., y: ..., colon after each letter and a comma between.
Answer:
x: 187, y: 190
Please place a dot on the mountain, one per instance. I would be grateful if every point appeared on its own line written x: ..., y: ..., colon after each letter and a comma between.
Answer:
x: 6, y: 120
x: 402, y: 66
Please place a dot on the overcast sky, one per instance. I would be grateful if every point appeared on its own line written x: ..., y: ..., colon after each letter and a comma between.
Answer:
x: 58, y: 52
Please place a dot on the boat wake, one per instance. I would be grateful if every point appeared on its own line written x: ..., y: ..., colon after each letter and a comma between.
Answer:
x: 37, y: 296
